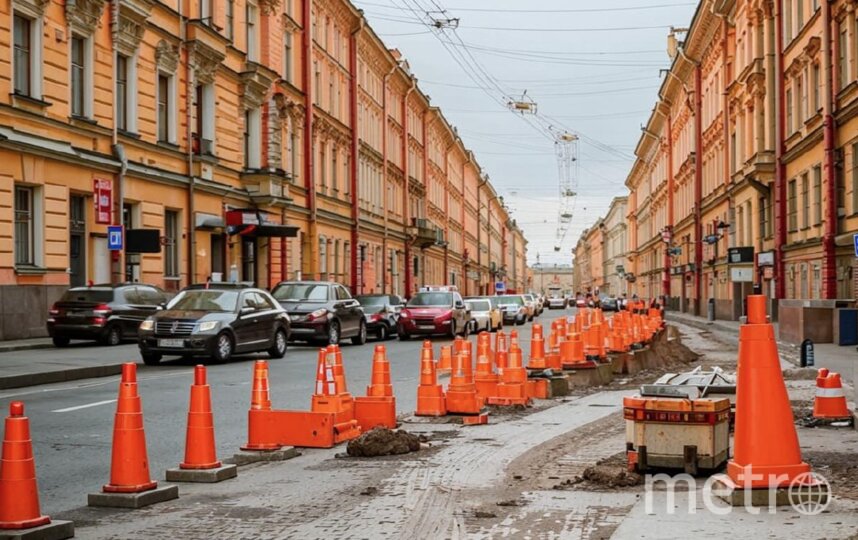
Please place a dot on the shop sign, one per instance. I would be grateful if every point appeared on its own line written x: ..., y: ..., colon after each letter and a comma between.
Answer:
x: 102, y: 191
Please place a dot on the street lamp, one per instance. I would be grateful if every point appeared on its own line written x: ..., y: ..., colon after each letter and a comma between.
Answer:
x: 713, y: 239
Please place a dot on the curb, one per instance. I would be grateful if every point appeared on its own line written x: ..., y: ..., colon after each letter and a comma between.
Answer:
x: 60, y: 375
x: 24, y: 347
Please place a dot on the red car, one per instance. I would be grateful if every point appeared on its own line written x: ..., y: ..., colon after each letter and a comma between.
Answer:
x: 431, y: 313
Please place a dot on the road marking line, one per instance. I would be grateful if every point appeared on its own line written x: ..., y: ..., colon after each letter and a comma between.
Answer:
x: 88, y: 405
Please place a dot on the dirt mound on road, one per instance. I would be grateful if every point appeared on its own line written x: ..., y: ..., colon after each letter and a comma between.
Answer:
x: 611, y: 476
x: 383, y: 442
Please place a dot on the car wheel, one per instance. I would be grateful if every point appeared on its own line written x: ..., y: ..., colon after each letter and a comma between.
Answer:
x: 223, y: 347
x: 360, y: 338
x: 112, y: 336
x: 333, y: 333
x: 151, y: 358
x: 467, y: 330
x: 61, y: 341
x: 383, y: 332
x: 520, y: 320
x: 278, y: 348
x: 453, y: 329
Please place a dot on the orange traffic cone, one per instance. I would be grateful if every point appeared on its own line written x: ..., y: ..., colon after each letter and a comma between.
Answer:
x: 19, y: 494
x: 537, y: 349
x: 462, y: 392
x: 445, y: 363
x: 335, y: 358
x: 830, y: 401
x: 512, y: 389
x: 430, y: 394
x: 341, y: 404
x: 501, y: 351
x: 129, y: 467
x: 378, y: 407
x: 260, y: 399
x: 259, y: 433
x: 485, y: 379
x: 766, y: 452
x: 200, y: 440
x: 484, y: 346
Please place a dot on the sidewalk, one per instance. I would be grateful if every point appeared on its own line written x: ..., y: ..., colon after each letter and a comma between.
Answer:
x: 842, y: 359
x: 25, y: 344
x: 20, y: 367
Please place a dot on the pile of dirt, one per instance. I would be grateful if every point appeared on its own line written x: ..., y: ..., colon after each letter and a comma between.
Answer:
x: 673, y: 351
x: 384, y: 442
x: 611, y: 476
x: 800, y: 374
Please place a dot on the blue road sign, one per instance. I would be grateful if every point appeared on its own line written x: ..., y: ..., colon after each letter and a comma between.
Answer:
x: 114, y: 238
x: 500, y: 286
x: 855, y: 241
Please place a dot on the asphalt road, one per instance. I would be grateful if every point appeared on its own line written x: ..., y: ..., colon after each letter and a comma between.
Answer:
x: 71, y: 423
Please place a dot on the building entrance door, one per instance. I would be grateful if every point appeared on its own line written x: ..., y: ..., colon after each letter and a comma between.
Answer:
x: 77, y: 241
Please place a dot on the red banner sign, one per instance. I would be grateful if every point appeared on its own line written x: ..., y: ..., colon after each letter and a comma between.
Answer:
x: 102, y: 191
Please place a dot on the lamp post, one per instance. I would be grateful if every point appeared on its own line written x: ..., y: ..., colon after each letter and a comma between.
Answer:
x: 719, y: 227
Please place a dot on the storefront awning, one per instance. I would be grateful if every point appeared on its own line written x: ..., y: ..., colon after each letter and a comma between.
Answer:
x: 270, y: 230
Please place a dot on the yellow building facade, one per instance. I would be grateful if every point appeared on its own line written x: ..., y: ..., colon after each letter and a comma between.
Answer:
x: 246, y: 140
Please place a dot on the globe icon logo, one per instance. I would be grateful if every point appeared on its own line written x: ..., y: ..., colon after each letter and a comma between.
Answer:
x: 809, y: 493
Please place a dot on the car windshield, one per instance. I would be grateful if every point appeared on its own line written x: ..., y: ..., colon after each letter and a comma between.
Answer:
x: 479, y: 305
x: 205, y: 300
x: 528, y: 297
x: 431, y: 299
x: 301, y: 292
x: 372, y: 300
x: 511, y: 301
x: 87, y: 295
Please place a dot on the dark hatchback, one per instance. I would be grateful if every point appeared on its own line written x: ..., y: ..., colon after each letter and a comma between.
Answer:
x: 382, y: 313
x: 108, y: 314
x: 321, y: 311
x: 216, y: 322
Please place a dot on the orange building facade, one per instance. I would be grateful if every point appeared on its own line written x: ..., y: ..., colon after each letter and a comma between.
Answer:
x: 749, y: 152
x: 248, y: 140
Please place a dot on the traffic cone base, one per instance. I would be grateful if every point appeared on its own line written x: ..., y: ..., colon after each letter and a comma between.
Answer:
x: 19, y: 493
x: 476, y: 420
x: 431, y: 401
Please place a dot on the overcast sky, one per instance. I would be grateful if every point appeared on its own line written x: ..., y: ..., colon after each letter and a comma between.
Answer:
x: 590, y: 67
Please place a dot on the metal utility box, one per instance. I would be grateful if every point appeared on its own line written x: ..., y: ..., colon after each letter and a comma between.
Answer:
x: 676, y: 433
x: 845, y: 331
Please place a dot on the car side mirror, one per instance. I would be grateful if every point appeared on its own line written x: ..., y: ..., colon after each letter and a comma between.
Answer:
x: 460, y: 305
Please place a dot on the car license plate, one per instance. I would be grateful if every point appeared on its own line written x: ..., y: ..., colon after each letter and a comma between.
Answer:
x: 175, y: 343
x: 426, y: 326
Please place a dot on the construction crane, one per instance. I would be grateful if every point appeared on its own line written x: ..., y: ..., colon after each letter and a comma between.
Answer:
x: 566, y: 150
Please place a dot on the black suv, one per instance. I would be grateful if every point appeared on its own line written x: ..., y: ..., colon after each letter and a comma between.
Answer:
x: 321, y: 311
x: 382, y: 313
x: 216, y: 321
x: 105, y: 313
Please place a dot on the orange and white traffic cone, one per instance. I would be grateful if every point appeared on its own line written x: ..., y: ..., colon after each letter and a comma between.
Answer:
x: 260, y: 435
x: 445, y: 362
x: 766, y: 452
x: 461, y: 394
x: 19, y: 494
x: 430, y: 394
x: 485, y: 379
x: 537, y: 359
x: 201, y: 463
x: 830, y: 401
x: 378, y: 407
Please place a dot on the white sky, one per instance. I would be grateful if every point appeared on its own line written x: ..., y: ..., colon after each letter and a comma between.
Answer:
x: 601, y: 84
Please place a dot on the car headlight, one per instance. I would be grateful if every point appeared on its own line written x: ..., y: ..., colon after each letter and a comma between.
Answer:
x: 318, y: 314
x: 403, y: 314
x: 148, y: 324
x: 207, y: 326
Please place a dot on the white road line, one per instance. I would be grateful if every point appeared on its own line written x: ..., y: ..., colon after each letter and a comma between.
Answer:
x: 88, y: 405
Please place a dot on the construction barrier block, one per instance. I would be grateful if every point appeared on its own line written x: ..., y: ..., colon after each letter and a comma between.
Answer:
x: 538, y: 388
x: 293, y: 428
x: 373, y: 412
x: 55, y: 530
x: 486, y: 387
x: 134, y: 500
x: 215, y: 474
x: 475, y: 420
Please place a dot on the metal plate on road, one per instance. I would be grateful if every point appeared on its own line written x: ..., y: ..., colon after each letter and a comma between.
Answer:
x: 171, y: 343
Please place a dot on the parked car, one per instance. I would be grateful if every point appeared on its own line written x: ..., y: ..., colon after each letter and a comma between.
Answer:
x: 485, y: 315
x: 382, y: 313
x: 556, y: 302
x: 215, y: 321
x: 429, y: 313
x: 580, y: 302
x: 322, y: 311
x: 610, y: 303
x: 537, y: 307
x: 108, y: 314
x: 513, y: 308
x: 529, y: 306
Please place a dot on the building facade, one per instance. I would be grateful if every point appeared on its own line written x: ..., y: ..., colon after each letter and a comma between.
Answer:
x: 246, y: 140
x: 750, y: 151
x: 614, y: 252
x: 547, y: 276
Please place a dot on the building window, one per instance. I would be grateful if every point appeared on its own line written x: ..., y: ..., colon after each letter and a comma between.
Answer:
x: 323, y: 167
x: 334, y: 172
x: 293, y: 153
x: 800, y: 99
x: 230, y: 20
x: 787, y: 21
x: 287, y: 57
x: 814, y: 81
x: 122, y: 92
x: 733, y: 151
x: 323, y: 258
x: 24, y: 226
x: 817, y: 194
x: 854, y: 178
x: 793, y: 206
x: 764, y: 217
x: 317, y: 85
x: 164, y: 105
x: 789, y: 111
x: 205, y: 128
x: 78, y: 76
x: 252, y: 132
x: 805, y: 197
x: 27, y: 61
x: 206, y: 12
x: 251, y: 32
x: 171, y: 250
x: 843, y: 59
